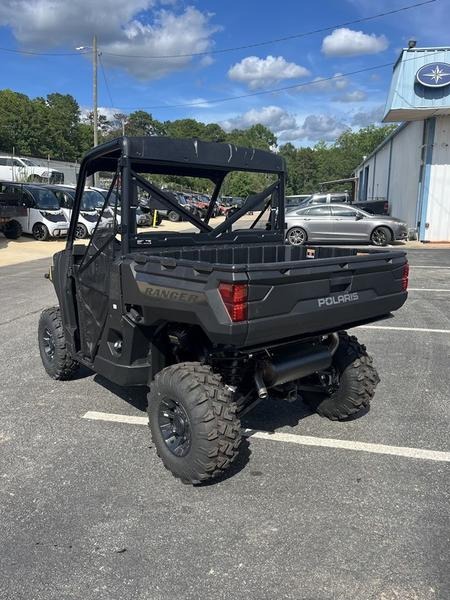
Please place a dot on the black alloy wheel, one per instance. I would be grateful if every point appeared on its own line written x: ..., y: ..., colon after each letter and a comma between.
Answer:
x: 175, y: 427
x: 48, y: 344
x: 80, y: 231
x: 381, y: 236
x: 40, y: 232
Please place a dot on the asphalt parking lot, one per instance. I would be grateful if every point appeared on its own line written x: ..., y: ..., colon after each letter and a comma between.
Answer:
x: 89, y: 512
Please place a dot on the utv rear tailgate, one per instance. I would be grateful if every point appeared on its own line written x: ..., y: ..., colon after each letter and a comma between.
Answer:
x: 322, y: 295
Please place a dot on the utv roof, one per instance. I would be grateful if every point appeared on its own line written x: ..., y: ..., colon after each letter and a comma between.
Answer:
x: 170, y: 156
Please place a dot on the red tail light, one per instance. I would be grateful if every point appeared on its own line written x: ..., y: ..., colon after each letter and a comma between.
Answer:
x: 234, y: 296
x: 405, y: 275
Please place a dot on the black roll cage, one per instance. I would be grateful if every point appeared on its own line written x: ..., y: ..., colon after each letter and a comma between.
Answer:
x: 162, y: 155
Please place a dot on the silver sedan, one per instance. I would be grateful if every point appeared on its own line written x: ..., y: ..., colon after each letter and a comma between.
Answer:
x: 342, y: 223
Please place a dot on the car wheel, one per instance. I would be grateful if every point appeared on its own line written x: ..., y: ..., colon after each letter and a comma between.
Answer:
x: 80, y: 231
x: 173, y: 216
x: 296, y: 236
x: 40, y: 232
x: 381, y: 236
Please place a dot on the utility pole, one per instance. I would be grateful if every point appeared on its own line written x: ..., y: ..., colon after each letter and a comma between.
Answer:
x: 95, y: 87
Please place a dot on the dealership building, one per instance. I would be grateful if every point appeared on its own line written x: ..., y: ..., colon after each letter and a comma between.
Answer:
x: 411, y: 168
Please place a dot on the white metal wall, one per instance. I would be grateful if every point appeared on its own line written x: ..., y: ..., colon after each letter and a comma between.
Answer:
x: 399, y: 181
x: 378, y: 184
x: 405, y: 172
x: 438, y: 209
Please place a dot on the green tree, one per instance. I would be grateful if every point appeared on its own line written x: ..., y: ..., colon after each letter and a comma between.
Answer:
x: 18, y: 126
x: 256, y: 136
x: 63, y: 126
x: 141, y: 123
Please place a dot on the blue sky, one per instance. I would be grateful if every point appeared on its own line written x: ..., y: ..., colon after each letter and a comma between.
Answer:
x: 136, y: 28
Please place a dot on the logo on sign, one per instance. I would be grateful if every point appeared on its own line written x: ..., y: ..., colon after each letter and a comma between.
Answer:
x: 434, y: 75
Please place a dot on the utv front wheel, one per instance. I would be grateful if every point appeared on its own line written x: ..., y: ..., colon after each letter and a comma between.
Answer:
x: 353, y: 380
x: 193, y: 422
x: 52, y: 346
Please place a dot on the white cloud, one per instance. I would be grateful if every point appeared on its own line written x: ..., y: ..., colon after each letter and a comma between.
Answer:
x: 287, y: 126
x: 355, y: 96
x: 315, y: 128
x: 274, y: 117
x: 105, y: 111
x: 369, y: 117
x: 262, y: 72
x: 321, y: 84
x: 347, y: 42
x: 126, y: 28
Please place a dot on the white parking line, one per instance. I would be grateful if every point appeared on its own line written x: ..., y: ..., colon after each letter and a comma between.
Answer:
x: 101, y: 416
x: 422, y: 329
x: 426, y: 267
x: 428, y: 290
x: 302, y: 440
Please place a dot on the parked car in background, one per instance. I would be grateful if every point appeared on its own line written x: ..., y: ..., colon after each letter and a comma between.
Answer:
x: 44, y: 218
x: 184, y: 201
x: 376, y: 207
x: 294, y: 201
x: 17, y: 168
x: 91, y: 202
x: 11, y: 208
x: 340, y: 223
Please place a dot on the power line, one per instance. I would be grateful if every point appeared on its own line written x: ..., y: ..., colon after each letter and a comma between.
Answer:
x: 277, y: 40
x: 32, y: 53
x: 102, y: 68
x: 235, y: 48
x: 271, y: 91
x: 260, y: 93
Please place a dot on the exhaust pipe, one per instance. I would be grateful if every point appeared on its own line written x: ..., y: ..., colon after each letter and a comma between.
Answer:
x: 261, y: 389
x: 293, y: 363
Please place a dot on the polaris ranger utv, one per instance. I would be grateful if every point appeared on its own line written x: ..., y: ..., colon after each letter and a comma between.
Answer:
x: 216, y: 319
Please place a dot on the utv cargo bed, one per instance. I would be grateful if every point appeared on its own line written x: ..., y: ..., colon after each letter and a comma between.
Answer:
x: 292, y: 291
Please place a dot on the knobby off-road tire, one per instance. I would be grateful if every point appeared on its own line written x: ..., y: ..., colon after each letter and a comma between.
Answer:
x: 189, y: 405
x: 357, y: 381
x: 12, y: 230
x: 52, y: 346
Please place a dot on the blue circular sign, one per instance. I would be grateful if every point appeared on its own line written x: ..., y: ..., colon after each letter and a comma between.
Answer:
x: 434, y: 75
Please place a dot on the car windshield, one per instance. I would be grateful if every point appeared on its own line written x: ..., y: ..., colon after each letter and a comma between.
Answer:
x: 91, y: 200
x: 28, y: 162
x: 45, y: 199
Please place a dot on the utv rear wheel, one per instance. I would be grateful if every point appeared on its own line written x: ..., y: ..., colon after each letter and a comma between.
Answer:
x: 355, y: 380
x: 173, y: 216
x: 12, y: 230
x: 193, y: 422
x: 296, y: 236
x: 52, y: 346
